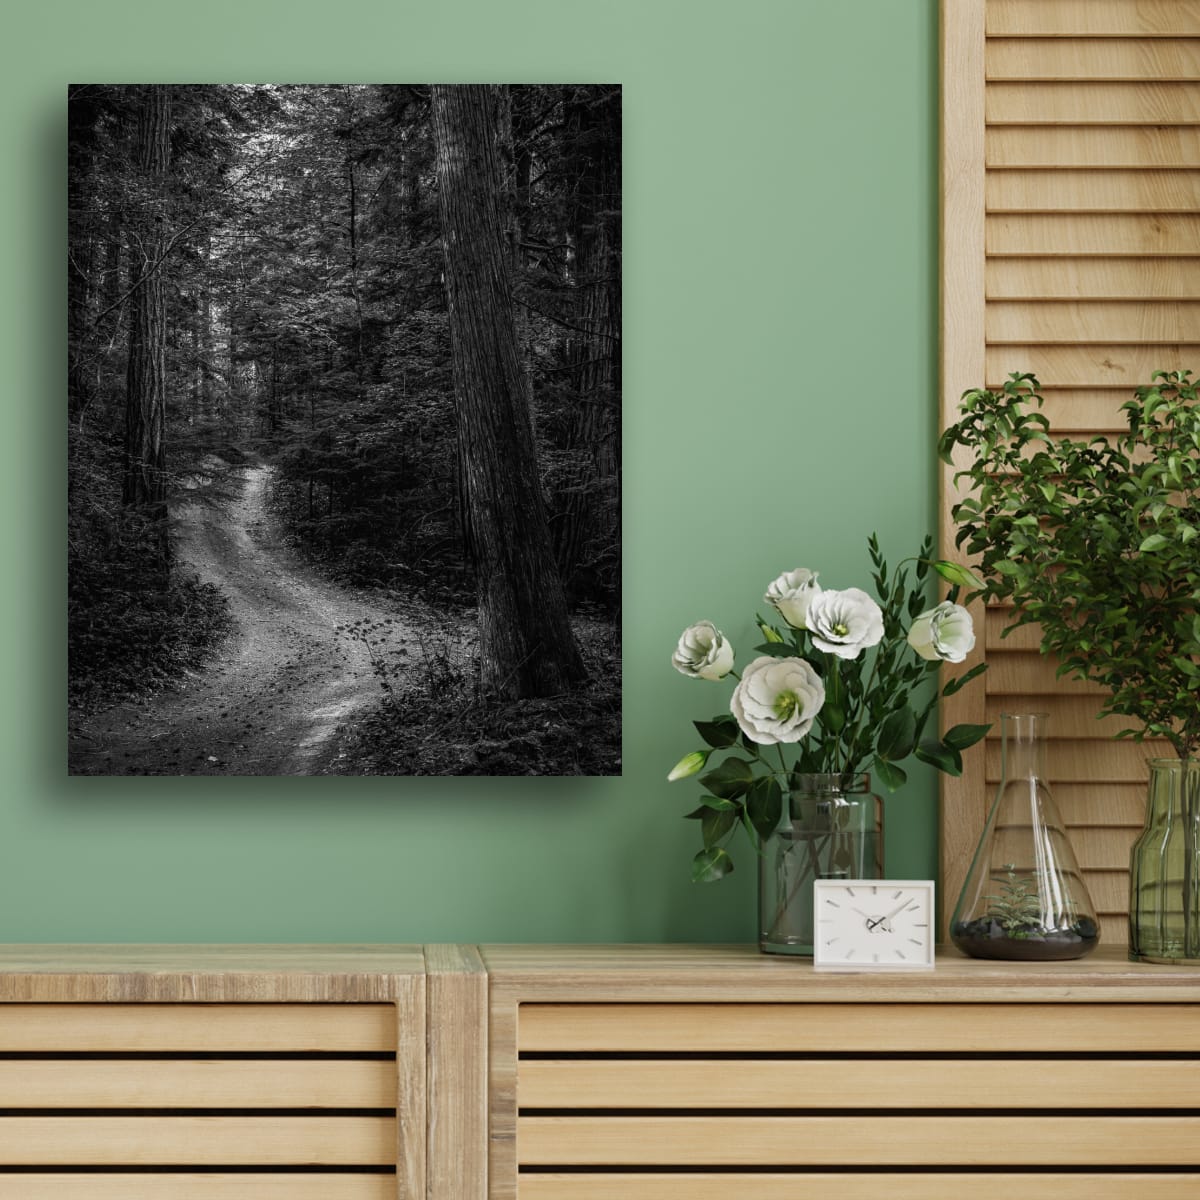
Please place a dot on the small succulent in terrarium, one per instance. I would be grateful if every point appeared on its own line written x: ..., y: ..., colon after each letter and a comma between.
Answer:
x: 1017, y: 908
x: 1016, y: 925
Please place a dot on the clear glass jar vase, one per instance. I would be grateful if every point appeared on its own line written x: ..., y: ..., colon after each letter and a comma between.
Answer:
x: 1024, y: 896
x: 1164, y: 869
x: 831, y: 827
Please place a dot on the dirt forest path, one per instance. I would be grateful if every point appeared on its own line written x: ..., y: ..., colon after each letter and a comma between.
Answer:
x: 272, y: 698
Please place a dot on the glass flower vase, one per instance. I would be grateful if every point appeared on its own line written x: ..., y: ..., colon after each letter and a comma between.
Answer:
x: 830, y: 828
x: 1024, y: 896
x: 1164, y: 876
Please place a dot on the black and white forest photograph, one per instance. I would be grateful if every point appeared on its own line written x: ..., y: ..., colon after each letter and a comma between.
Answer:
x: 344, y: 429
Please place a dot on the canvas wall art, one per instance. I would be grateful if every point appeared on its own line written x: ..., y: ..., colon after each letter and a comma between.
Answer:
x: 344, y: 429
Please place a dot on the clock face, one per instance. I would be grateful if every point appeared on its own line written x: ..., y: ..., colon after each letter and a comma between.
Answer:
x: 873, y: 924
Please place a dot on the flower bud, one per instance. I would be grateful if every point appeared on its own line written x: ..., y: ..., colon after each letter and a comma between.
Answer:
x: 689, y: 764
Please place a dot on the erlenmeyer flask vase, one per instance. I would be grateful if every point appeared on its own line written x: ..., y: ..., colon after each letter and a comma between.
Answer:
x: 1024, y: 896
x: 1164, y: 882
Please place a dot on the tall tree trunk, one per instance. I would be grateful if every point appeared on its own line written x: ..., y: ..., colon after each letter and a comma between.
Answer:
x: 145, y: 484
x: 526, y: 644
x: 591, y: 527
x: 81, y: 224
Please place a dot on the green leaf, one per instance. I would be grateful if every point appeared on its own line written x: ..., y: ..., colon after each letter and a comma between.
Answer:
x: 710, y: 865
x: 764, y: 804
x: 712, y: 804
x: 962, y: 736
x: 777, y: 650
x: 957, y: 684
x: 716, y: 824
x: 720, y: 733
x: 890, y: 775
x: 730, y: 780
x: 1155, y: 541
x: 945, y: 758
x: 897, y: 734
x: 957, y: 574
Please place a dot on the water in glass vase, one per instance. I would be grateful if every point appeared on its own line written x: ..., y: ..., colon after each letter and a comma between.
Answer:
x: 830, y: 828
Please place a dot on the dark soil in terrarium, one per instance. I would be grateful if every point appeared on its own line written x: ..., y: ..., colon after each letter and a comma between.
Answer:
x: 987, y: 938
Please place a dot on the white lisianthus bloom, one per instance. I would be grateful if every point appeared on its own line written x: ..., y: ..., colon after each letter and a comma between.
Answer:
x: 944, y: 633
x: 703, y: 652
x: 777, y: 700
x: 792, y: 593
x: 845, y: 623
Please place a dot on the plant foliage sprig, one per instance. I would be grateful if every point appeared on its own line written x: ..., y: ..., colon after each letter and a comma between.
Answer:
x: 1095, y: 541
x: 857, y: 695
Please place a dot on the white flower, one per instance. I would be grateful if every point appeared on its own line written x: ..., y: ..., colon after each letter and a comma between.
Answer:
x: 777, y: 700
x: 703, y: 652
x: 792, y: 593
x: 944, y: 633
x: 845, y: 623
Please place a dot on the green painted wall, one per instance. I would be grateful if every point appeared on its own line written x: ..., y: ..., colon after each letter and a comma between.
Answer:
x: 780, y: 342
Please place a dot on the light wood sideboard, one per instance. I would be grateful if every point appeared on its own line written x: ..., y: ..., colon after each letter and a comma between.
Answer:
x: 665, y: 1072
x: 458, y: 1072
x: 227, y: 1072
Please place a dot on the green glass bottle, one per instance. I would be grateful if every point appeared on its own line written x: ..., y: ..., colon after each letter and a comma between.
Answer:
x: 1164, y: 875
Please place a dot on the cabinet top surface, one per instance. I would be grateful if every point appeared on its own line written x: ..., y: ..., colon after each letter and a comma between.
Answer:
x: 677, y: 973
x: 281, y: 973
x: 683, y: 972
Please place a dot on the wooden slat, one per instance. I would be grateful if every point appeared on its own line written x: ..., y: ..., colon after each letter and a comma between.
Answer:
x: 1086, y: 759
x: 1108, y: 234
x: 198, y: 1186
x: 1093, y: 191
x: 834, y: 1141
x: 1124, y: 367
x: 1093, y: 18
x: 1109, y: 891
x: 1100, y: 278
x: 1070, y: 716
x: 410, y: 1130
x: 72, y: 1028
x: 793, y: 1185
x: 207, y: 1083
x: 202, y: 1141
x: 1093, y: 103
x: 1103, y: 321
x: 1105, y: 849
x: 856, y: 1083
x: 1086, y: 58
x: 1082, y: 146
x: 1102, y: 804
x: 457, y: 1090
x: 1030, y: 674
x: 963, y: 215
x: 857, y: 1027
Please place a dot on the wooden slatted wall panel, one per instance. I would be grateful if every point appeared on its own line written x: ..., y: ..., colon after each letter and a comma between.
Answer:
x: 647, y: 1101
x: 220, y: 1102
x: 1070, y: 248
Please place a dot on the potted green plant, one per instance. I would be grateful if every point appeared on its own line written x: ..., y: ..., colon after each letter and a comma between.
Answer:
x: 847, y: 681
x: 1098, y: 543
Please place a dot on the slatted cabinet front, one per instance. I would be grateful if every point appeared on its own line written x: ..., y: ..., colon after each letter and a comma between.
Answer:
x: 928, y: 1101
x: 198, y: 1101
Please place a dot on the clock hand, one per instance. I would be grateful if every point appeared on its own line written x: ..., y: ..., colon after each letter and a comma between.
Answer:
x: 871, y: 921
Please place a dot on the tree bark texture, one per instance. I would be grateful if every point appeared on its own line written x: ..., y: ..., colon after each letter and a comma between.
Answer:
x: 594, y: 127
x: 526, y: 644
x: 145, y: 484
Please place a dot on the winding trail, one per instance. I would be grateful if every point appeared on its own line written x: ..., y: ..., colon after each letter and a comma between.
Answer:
x: 271, y: 700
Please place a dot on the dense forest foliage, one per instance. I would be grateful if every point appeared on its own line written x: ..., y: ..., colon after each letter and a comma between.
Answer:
x: 404, y: 299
